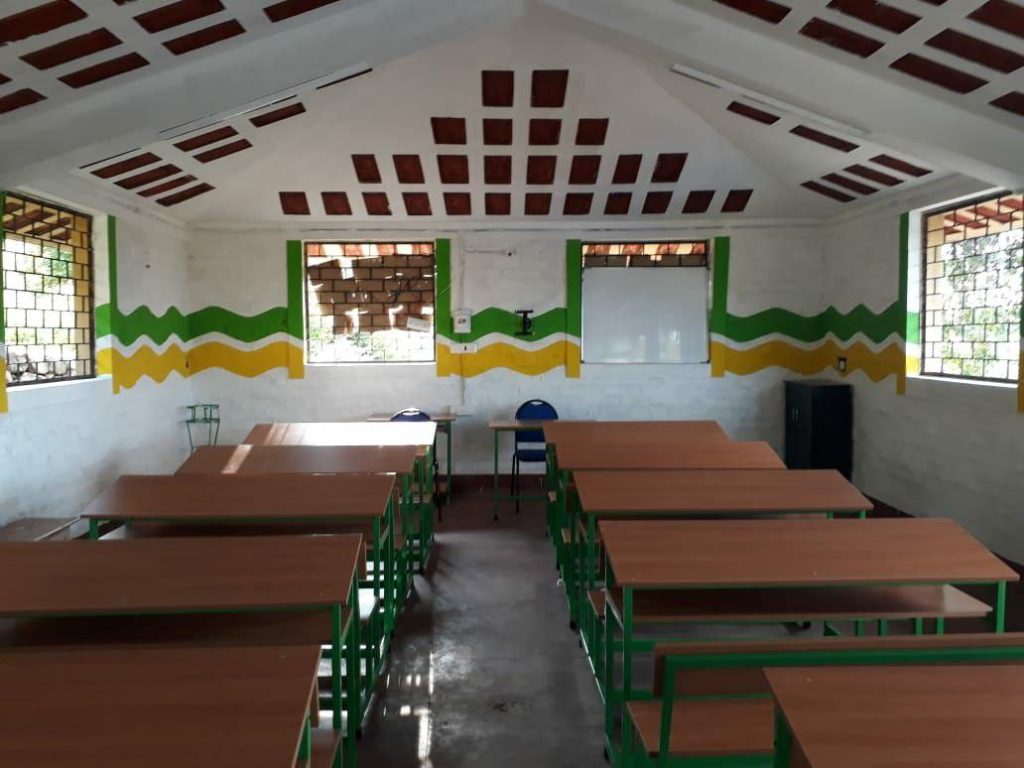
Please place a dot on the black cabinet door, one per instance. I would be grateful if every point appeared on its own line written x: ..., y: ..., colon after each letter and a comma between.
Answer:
x: 799, y: 433
x: 819, y: 426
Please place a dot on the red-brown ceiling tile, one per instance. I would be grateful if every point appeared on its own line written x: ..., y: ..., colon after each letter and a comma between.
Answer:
x: 336, y: 203
x: 453, y: 169
x: 167, y: 186
x: 657, y: 202
x: 286, y: 9
x: 758, y: 115
x: 19, y: 99
x: 627, y: 169
x: 497, y: 169
x: 416, y: 203
x: 177, y: 13
x: 4, y: 79
x: 148, y: 177
x: 366, y: 169
x: 766, y: 10
x: 852, y: 184
x: 457, y: 204
x: 294, y: 203
x: 497, y: 87
x: 591, y: 131
x: 1011, y: 102
x: 222, y: 151
x: 498, y: 203
x: 840, y: 37
x: 75, y: 48
x: 544, y: 131
x: 449, y: 130
x: 698, y: 201
x: 736, y: 201
x: 377, y: 203
x: 195, y: 142
x: 900, y: 165
x: 577, y: 203
x: 877, y: 14
x: 937, y: 74
x: 408, y: 169
x: 185, y: 194
x: 821, y: 189
x: 823, y: 138
x: 548, y: 87
x: 1001, y: 14
x: 540, y: 169
x: 617, y: 203
x: 497, y: 131
x: 668, y: 168
x: 104, y: 70
x: 124, y: 166
x: 584, y: 169
x: 278, y: 114
x: 36, y: 21
x: 204, y: 37
x: 877, y: 176
x: 973, y: 49
x: 538, y: 204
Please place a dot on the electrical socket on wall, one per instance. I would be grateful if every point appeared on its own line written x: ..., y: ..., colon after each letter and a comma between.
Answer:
x: 841, y: 364
x: 466, y: 348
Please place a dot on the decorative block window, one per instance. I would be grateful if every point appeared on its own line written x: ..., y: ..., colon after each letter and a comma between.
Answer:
x: 683, y: 254
x: 369, y: 302
x: 971, y: 284
x: 47, y: 292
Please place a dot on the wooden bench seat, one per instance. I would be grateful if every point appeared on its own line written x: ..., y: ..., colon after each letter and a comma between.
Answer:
x: 324, y: 746
x: 596, y: 598
x: 782, y: 605
x: 37, y: 528
x: 714, y: 727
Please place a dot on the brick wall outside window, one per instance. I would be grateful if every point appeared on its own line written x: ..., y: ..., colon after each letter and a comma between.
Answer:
x: 369, y: 302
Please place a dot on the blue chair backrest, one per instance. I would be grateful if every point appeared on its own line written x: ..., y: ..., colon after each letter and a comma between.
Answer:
x: 534, y: 410
x: 411, y: 414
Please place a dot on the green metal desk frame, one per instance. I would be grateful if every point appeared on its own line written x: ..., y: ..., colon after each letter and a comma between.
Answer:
x: 628, y: 645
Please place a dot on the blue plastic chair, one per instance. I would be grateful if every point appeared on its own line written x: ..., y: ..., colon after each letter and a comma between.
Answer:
x: 536, y: 453
x: 415, y: 414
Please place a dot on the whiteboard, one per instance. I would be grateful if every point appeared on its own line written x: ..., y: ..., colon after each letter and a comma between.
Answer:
x: 645, y: 315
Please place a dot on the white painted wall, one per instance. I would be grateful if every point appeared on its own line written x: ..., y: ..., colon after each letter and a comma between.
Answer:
x: 245, y: 271
x: 62, y: 444
x: 944, y: 449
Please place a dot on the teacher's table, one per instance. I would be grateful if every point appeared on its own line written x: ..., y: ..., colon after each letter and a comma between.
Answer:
x: 445, y: 423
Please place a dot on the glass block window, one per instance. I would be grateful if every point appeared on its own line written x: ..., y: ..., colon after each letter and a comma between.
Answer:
x: 679, y: 254
x: 47, y: 292
x: 972, y: 280
x: 369, y: 302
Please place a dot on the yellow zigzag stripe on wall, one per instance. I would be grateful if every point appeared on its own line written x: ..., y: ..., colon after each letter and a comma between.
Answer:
x: 500, y: 355
x: 158, y: 366
x: 859, y: 357
x: 3, y: 385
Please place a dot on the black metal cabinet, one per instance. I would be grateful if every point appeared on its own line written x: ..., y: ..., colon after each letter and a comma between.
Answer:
x: 819, y: 426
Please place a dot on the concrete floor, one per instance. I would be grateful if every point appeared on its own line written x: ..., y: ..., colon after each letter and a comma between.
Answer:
x: 484, y: 671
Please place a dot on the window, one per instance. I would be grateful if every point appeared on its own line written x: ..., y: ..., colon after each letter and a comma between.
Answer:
x: 47, y: 292
x: 971, y: 290
x: 369, y: 302
x: 645, y: 302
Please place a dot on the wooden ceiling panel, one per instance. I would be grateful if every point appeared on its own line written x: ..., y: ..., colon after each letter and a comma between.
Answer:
x: 497, y: 88
x: 736, y: 201
x: 416, y: 203
x: 209, y: 137
x: 821, y: 189
x: 336, y: 203
x: 668, y: 168
x: 458, y: 204
x: 1011, y: 102
x: 19, y: 99
x: 874, y: 175
x: 545, y: 131
x: 124, y: 166
x: 39, y: 20
x: 453, y: 169
x: 657, y: 202
x: 497, y: 169
x: 204, y: 37
x: 497, y: 131
x: 275, y: 116
x: 408, y: 169
x: 287, y: 9
x: 167, y: 186
x: 978, y: 51
x: 698, y: 201
x: 148, y: 177
x: 74, y: 48
x: 105, y: 70
x: 617, y: 203
x: 877, y: 14
x: 584, y: 169
x: 548, y: 88
x: 177, y: 13
x: 449, y: 130
x: 537, y: 204
x: 591, y: 131
x: 937, y: 74
x: 294, y: 203
x: 627, y: 169
x: 766, y: 10
x: 498, y: 203
x: 540, y: 169
x: 753, y: 113
x: 366, y: 169
x: 840, y: 37
x: 577, y: 203
x: 900, y: 165
x: 377, y: 203
x: 222, y: 151
x: 185, y: 194
x: 805, y: 132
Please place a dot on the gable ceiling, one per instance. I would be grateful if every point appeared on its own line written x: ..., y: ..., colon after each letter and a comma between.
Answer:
x: 556, y: 112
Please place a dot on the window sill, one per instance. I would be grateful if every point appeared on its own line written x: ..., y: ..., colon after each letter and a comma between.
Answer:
x: 955, y: 381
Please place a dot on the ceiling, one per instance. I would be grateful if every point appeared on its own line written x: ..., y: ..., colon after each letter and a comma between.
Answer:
x: 214, y: 111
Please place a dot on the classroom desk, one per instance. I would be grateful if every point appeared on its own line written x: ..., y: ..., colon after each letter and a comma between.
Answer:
x: 497, y: 426
x: 741, y: 555
x: 617, y: 431
x: 156, y: 707
x: 420, y: 434
x: 899, y: 716
x: 303, y: 459
x: 697, y: 493
x: 445, y: 423
x: 314, y: 503
x: 260, y: 574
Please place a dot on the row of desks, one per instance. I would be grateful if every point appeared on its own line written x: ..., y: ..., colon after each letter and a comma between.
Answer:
x: 626, y: 489
x: 185, y: 585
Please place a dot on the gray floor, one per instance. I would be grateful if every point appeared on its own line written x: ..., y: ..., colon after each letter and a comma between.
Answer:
x: 484, y: 671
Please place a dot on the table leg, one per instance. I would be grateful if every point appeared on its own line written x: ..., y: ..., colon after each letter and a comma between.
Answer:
x: 497, y: 490
x: 305, y: 742
x: 389, y: 568
x: 94, y: 528
x: 783, y: 741
x: 355, y: 703
x: 1000, y: 612
x: 448, y: 456
x: 336, y: 616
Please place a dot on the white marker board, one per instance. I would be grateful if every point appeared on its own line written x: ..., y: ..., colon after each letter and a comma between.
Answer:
x: 645, y: 315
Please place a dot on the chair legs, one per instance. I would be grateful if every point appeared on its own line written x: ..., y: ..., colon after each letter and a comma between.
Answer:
x: 515, y: 480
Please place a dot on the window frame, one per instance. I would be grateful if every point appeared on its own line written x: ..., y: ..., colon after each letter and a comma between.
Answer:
x: 305, y: 303
x: 91, y: 304
x: 925, y: 214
